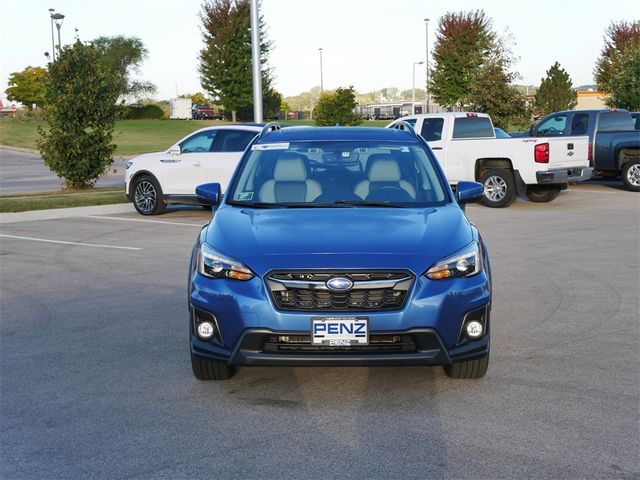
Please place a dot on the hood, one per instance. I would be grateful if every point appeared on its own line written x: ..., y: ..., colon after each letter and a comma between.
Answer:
x: 266, y: 239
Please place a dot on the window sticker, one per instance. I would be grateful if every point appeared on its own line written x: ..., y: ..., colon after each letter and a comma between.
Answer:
x: 245, y: 196
x: 270, y: 146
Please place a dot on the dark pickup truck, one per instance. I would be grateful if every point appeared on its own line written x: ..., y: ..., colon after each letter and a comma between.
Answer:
x: 614, y: 143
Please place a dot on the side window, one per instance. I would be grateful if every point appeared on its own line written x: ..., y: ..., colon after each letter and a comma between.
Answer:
x: 198, y: 143
x: 233, y: 140
x: 553, y: 126
x: 411, y: 121
x: 432, y: 129
x: 580, y: 124
x: 473, y: 127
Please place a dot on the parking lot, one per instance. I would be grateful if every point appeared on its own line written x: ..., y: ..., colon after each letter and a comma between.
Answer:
x: 96, y: 380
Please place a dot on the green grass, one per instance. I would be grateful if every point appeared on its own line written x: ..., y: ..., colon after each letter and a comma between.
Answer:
x: 61, y: 199
x: 131, y: 136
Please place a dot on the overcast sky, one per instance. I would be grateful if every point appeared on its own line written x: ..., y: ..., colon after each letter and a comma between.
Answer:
x: 369, y: 44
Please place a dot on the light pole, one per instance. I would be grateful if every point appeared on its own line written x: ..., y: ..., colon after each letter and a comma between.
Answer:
x: 255, y: 60
x: 426, y: 23
x: 321, y: 84
x: 58, y: 18
x: 53, y: 41
x: 413, y: 87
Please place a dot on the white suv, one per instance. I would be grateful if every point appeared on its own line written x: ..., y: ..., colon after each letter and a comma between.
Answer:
x: 211, y: 154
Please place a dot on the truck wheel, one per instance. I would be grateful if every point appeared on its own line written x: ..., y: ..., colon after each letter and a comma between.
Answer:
x: 499, y: 188
x: 631, y: 175
x: 470, y: 369
x: 543, y: 193
x: 147, y: 196
x: 205, y: 369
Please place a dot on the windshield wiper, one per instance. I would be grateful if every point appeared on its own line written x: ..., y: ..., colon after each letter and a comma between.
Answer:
x: 365, y: 203
x: 257, y: 204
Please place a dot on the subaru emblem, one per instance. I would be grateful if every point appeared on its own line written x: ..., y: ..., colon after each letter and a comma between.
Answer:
x: 339, y: 284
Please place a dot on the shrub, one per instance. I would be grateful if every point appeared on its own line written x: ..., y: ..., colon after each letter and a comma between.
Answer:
x: 151, y: 112
x: 337, y: 108
x: 81, y: 109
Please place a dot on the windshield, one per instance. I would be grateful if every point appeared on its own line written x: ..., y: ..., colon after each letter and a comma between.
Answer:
x: 322, y: 174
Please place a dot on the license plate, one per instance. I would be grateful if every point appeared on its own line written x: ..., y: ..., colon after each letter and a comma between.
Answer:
x: 339, y: 331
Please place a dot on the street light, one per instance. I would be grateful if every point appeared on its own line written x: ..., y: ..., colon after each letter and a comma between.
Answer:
x: 321, y: 84
x: 58, y: 19
x: 426, y: 23
x: 255, y: 62
x: 53, y: 41
x: 413, y: 87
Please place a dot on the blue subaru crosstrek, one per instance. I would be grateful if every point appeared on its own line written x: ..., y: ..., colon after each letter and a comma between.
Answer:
x: 339, y: 246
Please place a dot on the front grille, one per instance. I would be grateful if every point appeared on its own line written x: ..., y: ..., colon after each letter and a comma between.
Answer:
x: 302, y: 344
x: 371, y: 291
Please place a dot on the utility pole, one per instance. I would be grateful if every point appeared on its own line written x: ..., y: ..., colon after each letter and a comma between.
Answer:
x: 255, y: 60
x: 321, y: 83
x: 413, y: 87
x: 426, y: 22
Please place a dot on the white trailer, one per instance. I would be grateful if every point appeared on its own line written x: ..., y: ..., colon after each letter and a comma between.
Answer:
x: 180, y: 108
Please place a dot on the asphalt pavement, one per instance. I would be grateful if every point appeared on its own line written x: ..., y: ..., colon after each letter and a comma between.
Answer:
x: 95, y: 380
x: 25, y: 172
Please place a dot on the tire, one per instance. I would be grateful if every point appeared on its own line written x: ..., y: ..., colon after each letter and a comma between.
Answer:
x: 499, y: 187
x: 147, y: 196
x: 631, y: 175
x: 543, y: 193
x: 205, y: 369
x: 470, y: 369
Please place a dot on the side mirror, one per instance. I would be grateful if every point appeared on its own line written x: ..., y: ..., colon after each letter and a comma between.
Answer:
x: 467, y: 192
x: 174, y: 150
x: 209, y: 194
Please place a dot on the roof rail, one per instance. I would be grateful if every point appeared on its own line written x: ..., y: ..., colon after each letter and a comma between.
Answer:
x: 269, y: 127
x: 405, y: 126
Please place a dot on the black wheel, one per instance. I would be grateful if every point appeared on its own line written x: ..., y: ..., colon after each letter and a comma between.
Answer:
x: 205, y: 369
x: 470, y: 369
x: 631, y: 175
x: 543, y: 193
x: 147, y: 196
x: 499, y: 187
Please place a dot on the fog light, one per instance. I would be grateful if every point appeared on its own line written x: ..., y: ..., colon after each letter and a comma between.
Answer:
x: 206, y: 330
x: 474, y: 329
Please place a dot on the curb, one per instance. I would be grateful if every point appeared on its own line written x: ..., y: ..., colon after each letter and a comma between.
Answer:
x: 37, y: 152
x: 20, y: 149
x: 56, y: 213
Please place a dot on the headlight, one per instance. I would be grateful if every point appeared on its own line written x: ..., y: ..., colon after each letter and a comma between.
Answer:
x: 129, y: 163
x: 214, y: 264
x: 465, y: 263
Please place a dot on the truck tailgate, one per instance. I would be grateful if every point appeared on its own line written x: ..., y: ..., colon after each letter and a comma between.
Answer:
x: 567, y: 152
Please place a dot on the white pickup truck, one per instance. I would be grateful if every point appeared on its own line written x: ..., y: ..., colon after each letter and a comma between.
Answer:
x: 466, y: 147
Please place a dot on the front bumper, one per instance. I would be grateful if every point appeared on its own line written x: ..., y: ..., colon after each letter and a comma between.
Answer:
x: 564, y: 175
x: 429, y: 324
x: 252, y: 350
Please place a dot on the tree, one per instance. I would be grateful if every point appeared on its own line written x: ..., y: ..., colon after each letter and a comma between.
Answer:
x: 617, y: 70
x: 81, y: 99
x: 337, y: 108
x: 225, y: 61
x: 555, y: 93
x: 123, y: 56
x: 493, y: 93
x: 197, y: 98
x: 27, y: 86
x: 463, y: 41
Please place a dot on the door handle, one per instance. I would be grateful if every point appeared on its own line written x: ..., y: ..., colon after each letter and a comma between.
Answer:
x: 197, y: 164
x: 436, y: 148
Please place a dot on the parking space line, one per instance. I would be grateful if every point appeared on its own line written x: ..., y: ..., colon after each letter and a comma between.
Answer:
x: 70, y: 243
x: 145, y: 221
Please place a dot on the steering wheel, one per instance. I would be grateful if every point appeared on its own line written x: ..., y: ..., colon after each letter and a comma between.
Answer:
x: 199, y: 149
x: 389, y: 193
x: 551, y: 131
